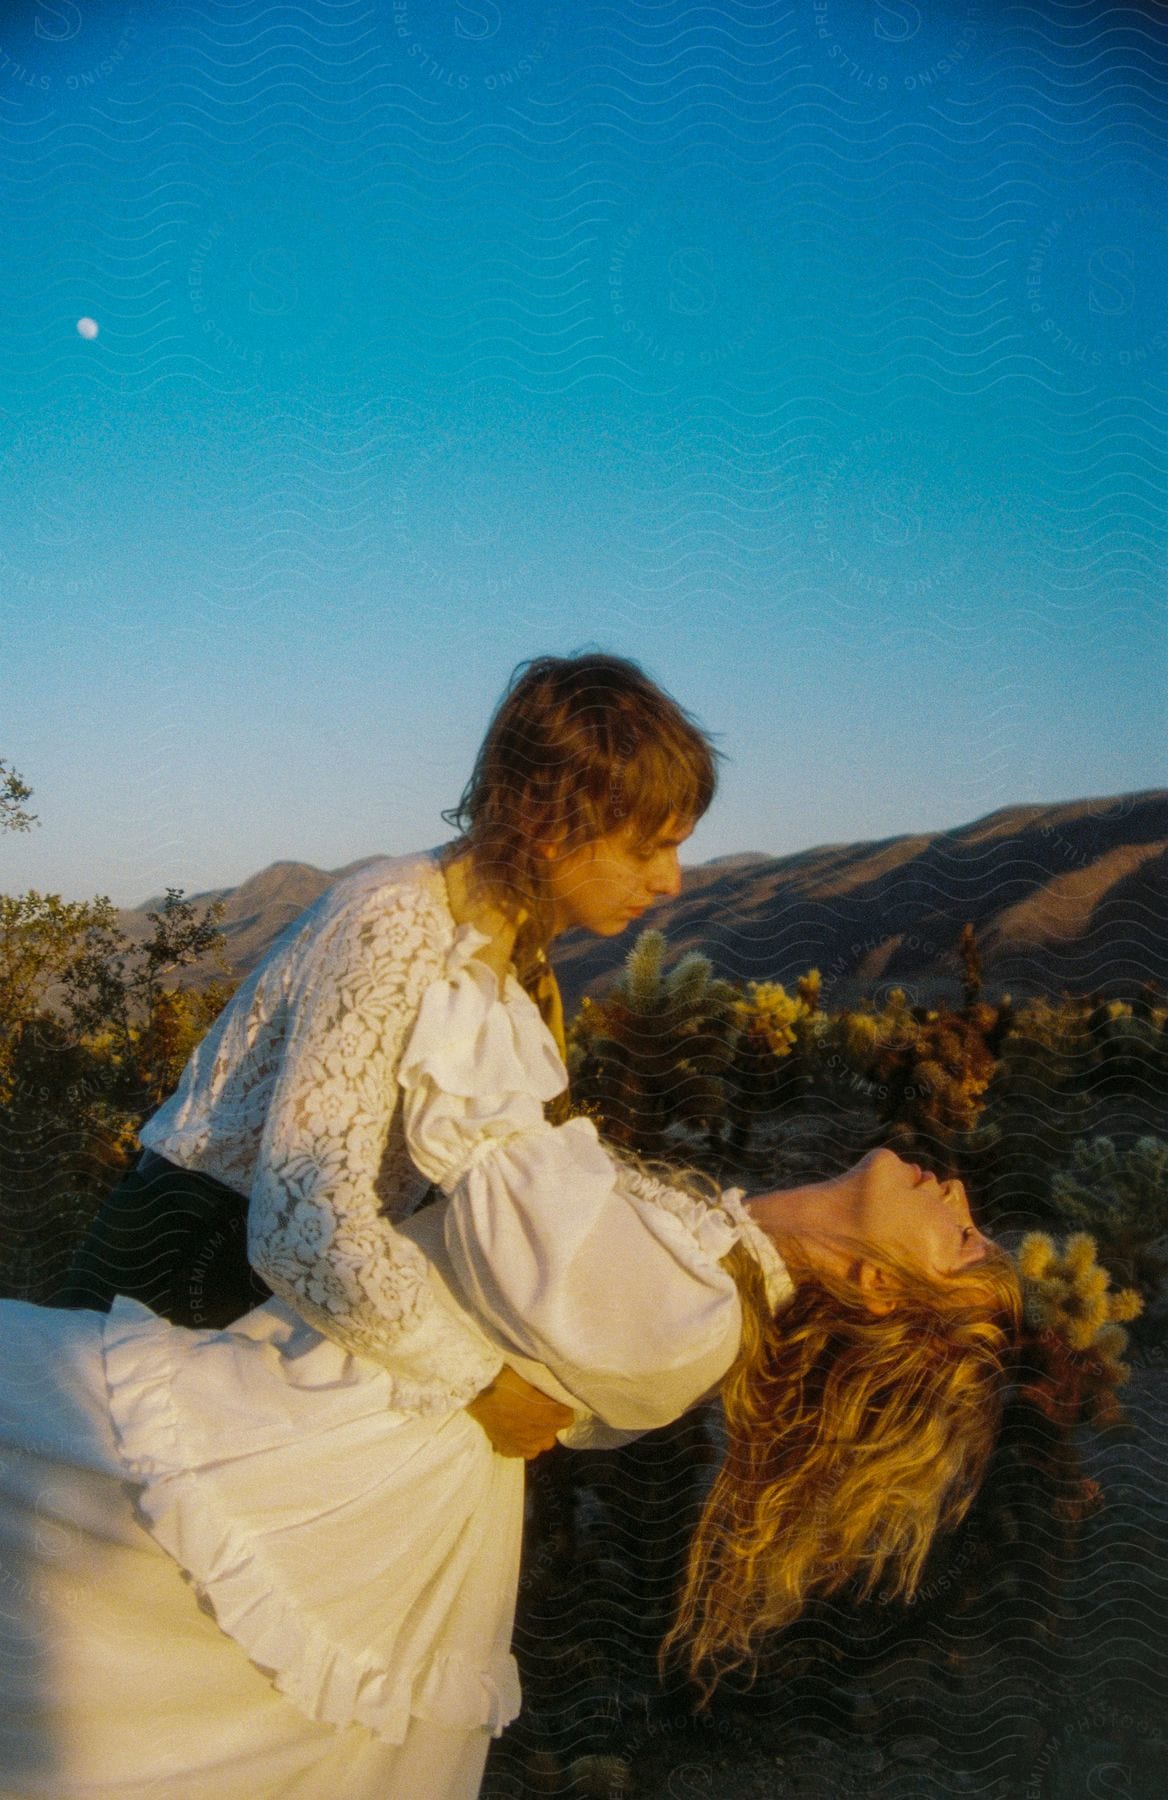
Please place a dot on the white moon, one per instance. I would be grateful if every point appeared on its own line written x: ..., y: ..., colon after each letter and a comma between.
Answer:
x: 87, y: 327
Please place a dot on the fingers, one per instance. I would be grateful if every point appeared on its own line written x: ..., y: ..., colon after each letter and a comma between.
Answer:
x: 541, y: 1435
x: 551, y: 1416
x: 525, y: 1448
x: 518, y: 1418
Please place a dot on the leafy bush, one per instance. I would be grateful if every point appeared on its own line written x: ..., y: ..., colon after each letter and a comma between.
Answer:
x: 93, y: 1035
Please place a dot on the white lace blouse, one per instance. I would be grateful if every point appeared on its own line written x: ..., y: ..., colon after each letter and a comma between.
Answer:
x: 370, y: 1055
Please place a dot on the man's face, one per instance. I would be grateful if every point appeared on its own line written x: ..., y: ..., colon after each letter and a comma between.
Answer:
x: 602, y: 886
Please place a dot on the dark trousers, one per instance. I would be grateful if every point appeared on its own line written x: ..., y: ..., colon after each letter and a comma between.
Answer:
x: 175, y: 1240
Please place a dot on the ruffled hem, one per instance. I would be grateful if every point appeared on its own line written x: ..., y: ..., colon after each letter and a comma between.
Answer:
x: 699, y: 1232
x: 328, y: 1681
x: 776, y: 1276
x: 707, y: 1225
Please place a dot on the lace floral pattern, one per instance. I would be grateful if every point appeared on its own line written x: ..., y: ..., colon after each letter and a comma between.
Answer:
x: 293, y: 1098
x: 318, y: 1229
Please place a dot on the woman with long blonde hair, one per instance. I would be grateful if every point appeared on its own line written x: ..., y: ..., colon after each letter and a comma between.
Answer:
x: 860, y: 1416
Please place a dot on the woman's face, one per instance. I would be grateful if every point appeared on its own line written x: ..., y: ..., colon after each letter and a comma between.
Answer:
x: 904, y: 1207
x: 602, y: 886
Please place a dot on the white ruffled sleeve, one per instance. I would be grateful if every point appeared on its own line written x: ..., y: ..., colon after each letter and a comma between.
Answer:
x: 317, y: 1229
x: 610, y: 1278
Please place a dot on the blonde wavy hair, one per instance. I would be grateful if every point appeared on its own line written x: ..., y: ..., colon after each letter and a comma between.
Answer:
x: 853, y: 1440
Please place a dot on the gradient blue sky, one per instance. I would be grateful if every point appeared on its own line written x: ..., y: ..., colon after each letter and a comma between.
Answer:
x: 815, y: 354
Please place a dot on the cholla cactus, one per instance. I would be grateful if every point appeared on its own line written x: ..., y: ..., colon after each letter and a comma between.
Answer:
x: 971, y: 973
x: 930, y: 1067
x: 770, y: 1024
x: 860, y: 1036
x: 641, y: 985
x: 1121, y: 1197
x: 652, y: 1052
x: 1124, y: 1047
x: 808, y: 989
x: 1075, y: 1322
x: 1016, y: 1549
x: 945, y: 1073
x: 768, y: 1017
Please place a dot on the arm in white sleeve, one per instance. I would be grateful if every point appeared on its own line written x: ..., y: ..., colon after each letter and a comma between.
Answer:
x: 575, y: 1260
x: 316, y: 1230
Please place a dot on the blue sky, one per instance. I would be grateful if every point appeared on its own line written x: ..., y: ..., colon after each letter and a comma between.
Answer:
x: 814, y: 354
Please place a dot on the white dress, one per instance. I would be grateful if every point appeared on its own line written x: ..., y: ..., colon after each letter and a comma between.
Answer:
x: 281, y: 1559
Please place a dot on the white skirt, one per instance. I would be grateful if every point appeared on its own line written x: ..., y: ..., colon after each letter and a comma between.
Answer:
x: 228, y: 1571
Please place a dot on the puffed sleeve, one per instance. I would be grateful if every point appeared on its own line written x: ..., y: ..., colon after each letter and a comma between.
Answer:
x: 607, y: 1276
x: 317, y: 1232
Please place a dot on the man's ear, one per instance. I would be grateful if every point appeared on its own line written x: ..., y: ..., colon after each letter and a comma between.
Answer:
x: 876, y: 1290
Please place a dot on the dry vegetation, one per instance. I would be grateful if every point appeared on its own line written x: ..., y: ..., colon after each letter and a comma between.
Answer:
x: 1034, y: 1659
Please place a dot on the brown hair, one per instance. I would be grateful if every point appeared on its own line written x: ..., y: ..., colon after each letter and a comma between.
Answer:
x: 853, y: 1440
x: 578, y: 746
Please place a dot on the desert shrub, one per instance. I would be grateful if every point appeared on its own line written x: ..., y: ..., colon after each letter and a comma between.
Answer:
x: 93, y: 1035
x: 775, y: 1051
x: 1037, y: 1105
x: 1120, y: 1196
x: 653, y: 1053
x: 925, y: 1070
x: 1124, y: 1051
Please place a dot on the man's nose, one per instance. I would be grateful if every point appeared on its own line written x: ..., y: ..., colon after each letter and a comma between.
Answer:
x: 667, y: 877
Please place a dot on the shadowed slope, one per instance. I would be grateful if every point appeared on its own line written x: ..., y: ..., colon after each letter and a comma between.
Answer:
x: 1071, y: 895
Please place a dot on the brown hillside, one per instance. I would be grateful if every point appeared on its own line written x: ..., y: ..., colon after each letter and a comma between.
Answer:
x: 1066, y: 896
x: 1070, y: 896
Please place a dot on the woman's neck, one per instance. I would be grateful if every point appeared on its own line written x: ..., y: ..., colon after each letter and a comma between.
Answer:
x: 813, y: 1216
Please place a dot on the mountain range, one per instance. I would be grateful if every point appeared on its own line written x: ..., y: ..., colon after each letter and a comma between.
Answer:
x: 1062, y: 897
